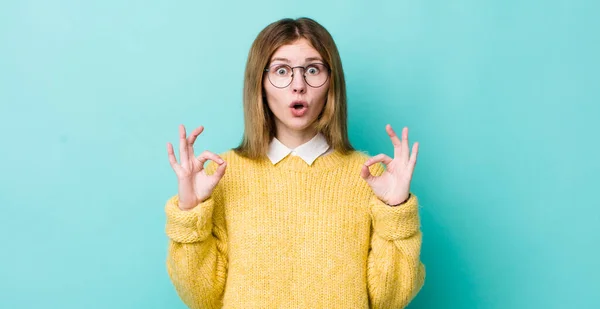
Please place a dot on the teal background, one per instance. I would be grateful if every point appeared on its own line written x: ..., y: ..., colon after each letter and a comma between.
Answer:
x: 502, y: 96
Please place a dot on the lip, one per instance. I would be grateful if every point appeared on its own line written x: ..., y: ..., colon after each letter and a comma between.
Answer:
x: 304, y: 103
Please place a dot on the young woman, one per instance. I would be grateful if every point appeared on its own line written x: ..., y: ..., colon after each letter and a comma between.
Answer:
x: 294, y: 217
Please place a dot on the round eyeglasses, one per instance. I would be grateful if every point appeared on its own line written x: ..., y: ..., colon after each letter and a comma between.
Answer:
x: 281, y: 75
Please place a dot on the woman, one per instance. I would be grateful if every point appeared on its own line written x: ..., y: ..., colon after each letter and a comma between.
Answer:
x: 284, y: 220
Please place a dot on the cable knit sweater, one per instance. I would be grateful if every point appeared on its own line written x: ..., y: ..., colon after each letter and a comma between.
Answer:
x: 292, y: 235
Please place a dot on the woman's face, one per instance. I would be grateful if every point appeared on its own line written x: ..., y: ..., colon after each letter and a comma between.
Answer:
x: 296, y: 106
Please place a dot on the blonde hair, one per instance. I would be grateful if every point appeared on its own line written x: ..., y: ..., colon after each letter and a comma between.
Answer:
x: 259, y: 122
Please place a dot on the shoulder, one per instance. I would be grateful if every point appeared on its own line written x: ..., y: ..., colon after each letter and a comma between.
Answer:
x: 359, y: 155
x: 228, y: 155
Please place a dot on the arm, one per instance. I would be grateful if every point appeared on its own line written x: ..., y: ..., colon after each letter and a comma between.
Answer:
x: 197, y: 252
x: 395, y: 273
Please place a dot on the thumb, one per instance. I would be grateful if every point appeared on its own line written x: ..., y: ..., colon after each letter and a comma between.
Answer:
x: 365, y: 173
x: 220, y: 171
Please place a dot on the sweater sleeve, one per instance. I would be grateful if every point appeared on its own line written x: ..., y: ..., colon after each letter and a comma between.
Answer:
x: 395, y: 273
x: 197, y: 251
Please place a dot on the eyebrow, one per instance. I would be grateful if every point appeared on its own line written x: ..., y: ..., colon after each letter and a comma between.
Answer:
x: 288, y: 61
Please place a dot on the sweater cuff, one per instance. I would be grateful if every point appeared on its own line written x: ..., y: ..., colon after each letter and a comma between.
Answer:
x: 188, y: 226
x: 396, y: 222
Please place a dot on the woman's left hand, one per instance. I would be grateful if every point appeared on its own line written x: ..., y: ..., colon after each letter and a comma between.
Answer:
x: 393, y: 186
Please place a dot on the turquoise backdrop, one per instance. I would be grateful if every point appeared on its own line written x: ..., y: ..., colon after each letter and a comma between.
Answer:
x: 503, y: 97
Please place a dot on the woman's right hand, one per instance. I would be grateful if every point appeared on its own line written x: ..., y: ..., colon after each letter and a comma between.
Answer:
x: 195, y: 186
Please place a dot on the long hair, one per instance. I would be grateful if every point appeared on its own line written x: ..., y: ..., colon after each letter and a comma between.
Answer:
x: 259, y: 121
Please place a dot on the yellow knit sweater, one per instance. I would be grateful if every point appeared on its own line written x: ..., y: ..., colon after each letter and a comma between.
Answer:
x: 292, y: 235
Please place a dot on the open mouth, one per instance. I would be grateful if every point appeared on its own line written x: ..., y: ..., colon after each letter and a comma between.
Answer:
x: 298, y: 105
x: 298, y: 108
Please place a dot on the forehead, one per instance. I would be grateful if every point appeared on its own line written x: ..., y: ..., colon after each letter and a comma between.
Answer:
x: 296, y: 52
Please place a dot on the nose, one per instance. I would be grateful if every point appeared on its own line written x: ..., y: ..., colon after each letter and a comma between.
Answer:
x: 298, y: 82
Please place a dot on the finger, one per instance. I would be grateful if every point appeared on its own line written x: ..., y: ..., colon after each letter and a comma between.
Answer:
x: 183, y: 148
x: 405, y: 148
x: 413, y: 157
x: 220, y: 171
x: 171, y: 154
x: 379, y: 158
x: 194, y: 135
x: 365, y: 173
x: 172, y: 159
x: 207, y: 155
x: 395, y: 141
x: 191, y: 139
x: 190, y: 150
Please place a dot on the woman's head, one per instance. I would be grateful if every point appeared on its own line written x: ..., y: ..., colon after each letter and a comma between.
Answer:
x: 293, y: 62
x: 295, y: 87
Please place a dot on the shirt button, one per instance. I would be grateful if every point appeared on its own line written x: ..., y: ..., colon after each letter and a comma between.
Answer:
x: 293, y: 153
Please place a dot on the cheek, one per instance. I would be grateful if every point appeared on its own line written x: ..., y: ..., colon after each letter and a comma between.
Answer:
x: 271, y: 92
x: 273, y: 98
x: 325, y: 92
x: 322, y: 95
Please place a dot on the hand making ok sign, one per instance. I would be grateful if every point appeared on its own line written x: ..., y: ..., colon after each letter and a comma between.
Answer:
x: 393, y: 186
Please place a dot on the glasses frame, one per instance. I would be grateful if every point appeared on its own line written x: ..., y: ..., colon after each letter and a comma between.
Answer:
x: 304, y: 74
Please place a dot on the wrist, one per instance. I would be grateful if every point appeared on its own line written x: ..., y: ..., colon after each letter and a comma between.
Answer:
x: 401, y: 203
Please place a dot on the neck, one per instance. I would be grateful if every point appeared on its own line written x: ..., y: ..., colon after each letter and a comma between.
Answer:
x: 293, y: 139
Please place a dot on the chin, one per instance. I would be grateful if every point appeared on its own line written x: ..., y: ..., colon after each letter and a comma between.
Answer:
x: 299, y: 124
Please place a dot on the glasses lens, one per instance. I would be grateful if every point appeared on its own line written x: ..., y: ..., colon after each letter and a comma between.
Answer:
x: 280, y: 75
x: 316, y: 74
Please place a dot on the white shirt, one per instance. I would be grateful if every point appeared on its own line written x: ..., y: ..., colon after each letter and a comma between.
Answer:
x: 308, y: 151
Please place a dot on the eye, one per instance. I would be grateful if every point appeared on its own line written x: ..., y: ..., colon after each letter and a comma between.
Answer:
x: 281, y: 70
x: 312, y: 70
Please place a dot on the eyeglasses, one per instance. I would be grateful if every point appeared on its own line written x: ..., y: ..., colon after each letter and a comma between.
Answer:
x: 281, y: 75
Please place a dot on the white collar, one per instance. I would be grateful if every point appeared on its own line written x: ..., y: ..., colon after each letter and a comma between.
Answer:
x: 308, y: 151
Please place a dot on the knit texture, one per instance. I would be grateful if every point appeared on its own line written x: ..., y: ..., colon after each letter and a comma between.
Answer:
x: 292, y: 235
